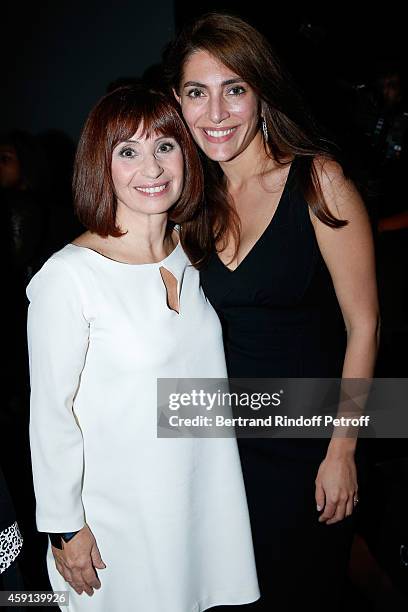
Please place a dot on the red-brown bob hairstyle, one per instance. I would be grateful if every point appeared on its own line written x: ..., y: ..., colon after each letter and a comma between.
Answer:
x: 116, y: 118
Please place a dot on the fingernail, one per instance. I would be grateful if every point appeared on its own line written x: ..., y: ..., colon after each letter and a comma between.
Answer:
x: 319, y: 508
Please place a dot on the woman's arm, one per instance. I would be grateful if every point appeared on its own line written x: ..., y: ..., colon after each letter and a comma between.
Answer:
x: 57, y: 343
x: 349, y: 256
x: 58, y: 336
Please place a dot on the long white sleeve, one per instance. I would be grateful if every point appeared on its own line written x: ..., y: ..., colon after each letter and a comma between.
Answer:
x: 58, y: 337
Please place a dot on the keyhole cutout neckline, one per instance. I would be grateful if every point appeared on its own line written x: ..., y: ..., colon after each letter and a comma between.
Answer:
x: 171, y: 279
x: 171, y: 285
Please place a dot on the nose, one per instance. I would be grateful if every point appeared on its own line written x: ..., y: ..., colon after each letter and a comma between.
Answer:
x: 151, y: 167
x: 218, y: 109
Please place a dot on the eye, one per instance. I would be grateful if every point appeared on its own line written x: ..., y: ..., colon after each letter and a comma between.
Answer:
x: 165, y: 147
x: 237, y: 90
x: 127, y: 153
x: 195, y: 93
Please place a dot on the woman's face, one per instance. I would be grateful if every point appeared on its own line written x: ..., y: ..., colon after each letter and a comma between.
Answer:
x: 220, y: 108
x: 147, y: 173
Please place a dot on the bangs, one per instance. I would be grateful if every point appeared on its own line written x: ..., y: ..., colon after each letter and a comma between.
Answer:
x: 147, y: 114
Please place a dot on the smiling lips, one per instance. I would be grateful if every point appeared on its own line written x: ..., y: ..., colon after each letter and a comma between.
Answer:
x: 218, y: 136
x: 153, y: 190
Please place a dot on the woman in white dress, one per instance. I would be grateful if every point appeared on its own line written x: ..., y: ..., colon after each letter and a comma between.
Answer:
x: 136, y: 522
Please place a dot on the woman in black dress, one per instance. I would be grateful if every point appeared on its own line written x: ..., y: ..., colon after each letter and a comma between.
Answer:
x: 286, y: 258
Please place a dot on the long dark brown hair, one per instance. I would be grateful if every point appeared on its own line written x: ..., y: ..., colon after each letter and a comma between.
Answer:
x: 291, y: 130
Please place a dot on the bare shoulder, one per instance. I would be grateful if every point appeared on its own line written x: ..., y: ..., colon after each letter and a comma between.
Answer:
x: 347, y: 249
x: 327, y: 169
x: 331, y: 177
x: 339, y: 192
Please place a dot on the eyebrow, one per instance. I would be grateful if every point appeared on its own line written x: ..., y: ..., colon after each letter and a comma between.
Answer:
x: 138, y: 141
x: 227, y: 82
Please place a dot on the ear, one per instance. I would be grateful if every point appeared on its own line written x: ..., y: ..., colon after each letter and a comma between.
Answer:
x: 175, y: 94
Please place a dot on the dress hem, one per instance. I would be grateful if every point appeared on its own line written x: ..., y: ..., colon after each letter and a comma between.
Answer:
x: 225, y: 600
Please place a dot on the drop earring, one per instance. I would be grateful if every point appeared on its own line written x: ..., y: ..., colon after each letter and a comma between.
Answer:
x: 264, y: 129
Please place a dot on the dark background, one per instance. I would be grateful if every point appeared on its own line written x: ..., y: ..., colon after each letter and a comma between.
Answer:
x: 58, y: 57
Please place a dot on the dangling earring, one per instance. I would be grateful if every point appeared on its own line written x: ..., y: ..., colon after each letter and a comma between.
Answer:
x: 264, y: 129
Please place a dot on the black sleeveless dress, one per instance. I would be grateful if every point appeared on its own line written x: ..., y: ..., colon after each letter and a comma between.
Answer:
x: 281, y: 318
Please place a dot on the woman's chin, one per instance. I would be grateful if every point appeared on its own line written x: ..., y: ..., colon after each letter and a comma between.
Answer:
x: 218, y: 156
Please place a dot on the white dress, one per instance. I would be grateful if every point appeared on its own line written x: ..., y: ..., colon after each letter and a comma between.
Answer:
x: 169, y: 515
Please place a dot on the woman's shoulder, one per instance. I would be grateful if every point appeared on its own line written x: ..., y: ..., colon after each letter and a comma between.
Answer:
x: 68, y: 257
x: 59, y: 273
x: 329, y: 172
x: 339, y: 192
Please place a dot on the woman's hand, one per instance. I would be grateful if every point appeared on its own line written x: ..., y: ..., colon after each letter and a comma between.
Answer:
x: 77, y: 560
x: 336, y: 488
